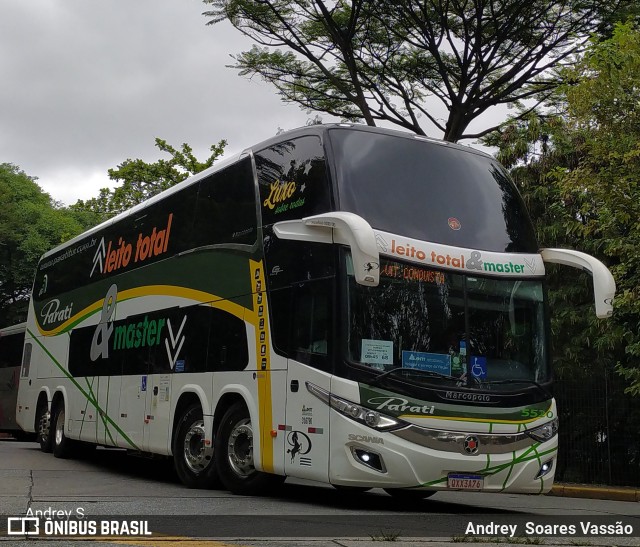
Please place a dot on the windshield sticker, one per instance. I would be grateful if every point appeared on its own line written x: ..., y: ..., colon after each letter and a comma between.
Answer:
x: 459, y: 259
x: 434, y: 362
x: 479, y: 367
x: 377, y: 352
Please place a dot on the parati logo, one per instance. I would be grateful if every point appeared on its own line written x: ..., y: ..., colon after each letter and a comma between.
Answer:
x: 398, y: 404
x: 52, y: 313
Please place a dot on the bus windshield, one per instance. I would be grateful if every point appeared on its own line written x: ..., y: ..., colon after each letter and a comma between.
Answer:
x: 430, y: 192
x: 437, y: 327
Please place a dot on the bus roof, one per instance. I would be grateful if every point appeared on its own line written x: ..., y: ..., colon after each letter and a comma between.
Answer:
x: 320, y: 129
x: 13, y: 329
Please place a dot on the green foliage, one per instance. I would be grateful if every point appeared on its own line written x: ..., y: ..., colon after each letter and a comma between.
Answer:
x: 142, y: 180
x: 579, y: 172
x: 393, y: 60
x: 31, y: 223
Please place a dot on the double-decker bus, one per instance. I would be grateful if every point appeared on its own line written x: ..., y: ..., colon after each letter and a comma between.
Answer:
x: 351, y: 305
x: 11, y: 344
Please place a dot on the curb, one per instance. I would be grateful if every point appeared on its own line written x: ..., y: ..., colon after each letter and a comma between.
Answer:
x: 595, y: 492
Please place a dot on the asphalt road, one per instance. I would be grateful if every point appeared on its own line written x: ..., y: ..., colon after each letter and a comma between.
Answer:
x: 108, y: 485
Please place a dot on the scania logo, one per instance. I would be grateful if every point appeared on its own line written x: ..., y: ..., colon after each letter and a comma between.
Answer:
x: 471, y: 444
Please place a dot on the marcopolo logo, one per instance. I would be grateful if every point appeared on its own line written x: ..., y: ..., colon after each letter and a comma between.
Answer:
x: 118, y: 253
x: 472, y: 397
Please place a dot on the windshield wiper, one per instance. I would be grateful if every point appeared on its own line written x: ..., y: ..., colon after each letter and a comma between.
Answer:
x: 429, y: 373
x: 522, y: 381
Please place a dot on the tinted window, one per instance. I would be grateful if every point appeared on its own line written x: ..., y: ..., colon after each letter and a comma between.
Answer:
x: 155, y: 233
x: 226, y: 207
x: 290, y: 264
x: 301, y: 322
x: 11, y: 350
x: 220, y: 209
x: 192, y: 339
x: 293, y: 180
x: 430, y: 192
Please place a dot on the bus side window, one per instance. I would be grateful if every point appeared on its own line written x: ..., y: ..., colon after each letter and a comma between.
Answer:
x: 11, y: 350
x: 293, y: 181
x: 301, y: 322
x: 226, y: 207
x: 26, y: 360
x: 228, y: 349
x: 311, y: 323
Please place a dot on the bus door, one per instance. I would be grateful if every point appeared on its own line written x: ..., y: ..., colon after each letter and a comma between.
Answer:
x: 107, y: 394
x: 307, y: 439
x: 133, y: 397
x: 157, y: 413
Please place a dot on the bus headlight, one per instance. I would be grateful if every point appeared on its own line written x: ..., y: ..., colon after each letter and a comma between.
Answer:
x: 544, y: 432
x: 360, y: 414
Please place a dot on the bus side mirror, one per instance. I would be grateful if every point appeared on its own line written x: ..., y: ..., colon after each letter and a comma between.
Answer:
x: 604, y: 286
x: 343, y: 228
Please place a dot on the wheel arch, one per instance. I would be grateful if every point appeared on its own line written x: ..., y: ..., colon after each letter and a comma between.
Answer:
x: 189, y: 395
x: 44, y: 399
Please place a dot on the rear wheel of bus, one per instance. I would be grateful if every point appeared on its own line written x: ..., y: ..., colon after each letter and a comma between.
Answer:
x: 234, y: 454
x: 43, y: 427
x: 62, y: 446
x: 192, y: 458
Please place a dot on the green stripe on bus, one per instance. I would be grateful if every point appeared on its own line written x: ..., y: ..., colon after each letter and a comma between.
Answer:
x: 75, y: 383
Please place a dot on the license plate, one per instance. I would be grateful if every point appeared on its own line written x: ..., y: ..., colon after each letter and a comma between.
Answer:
x: 461, y: 481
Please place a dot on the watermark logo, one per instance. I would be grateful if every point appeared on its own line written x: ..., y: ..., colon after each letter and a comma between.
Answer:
x: 23, y: 526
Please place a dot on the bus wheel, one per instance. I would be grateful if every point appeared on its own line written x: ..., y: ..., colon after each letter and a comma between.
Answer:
x: 409, y: 494
x: 193, y: 460
x: 43, y: 428
x: 234, y: 454
x: 61, y: 445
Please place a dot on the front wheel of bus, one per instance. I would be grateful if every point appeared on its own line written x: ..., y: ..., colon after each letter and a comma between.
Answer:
x: 192, y: 458
x: 234, y: 451
x: 43, y: 428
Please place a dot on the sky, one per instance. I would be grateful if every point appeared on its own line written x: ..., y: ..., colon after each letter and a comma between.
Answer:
x: 85, y: 85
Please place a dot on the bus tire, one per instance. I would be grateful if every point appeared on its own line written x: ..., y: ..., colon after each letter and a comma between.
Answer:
x: 193, y: 461
x: 234, y: 454
x: 409, y: 494
x: 62, y: 446
x: 43, y: 428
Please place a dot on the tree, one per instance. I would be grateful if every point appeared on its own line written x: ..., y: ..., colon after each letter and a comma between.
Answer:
x: 579, y: 172
x: 392, y: 60
x: 31, y: 223
x: 142, y: 180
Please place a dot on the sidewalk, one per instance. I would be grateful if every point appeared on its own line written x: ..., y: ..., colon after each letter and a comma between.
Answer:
x: 615, y: 493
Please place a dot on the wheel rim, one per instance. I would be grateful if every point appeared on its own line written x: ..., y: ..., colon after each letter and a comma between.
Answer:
x: 197, y: 455
x: 240, y: 448
x: 60, y: 427
x: 44, y: 425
